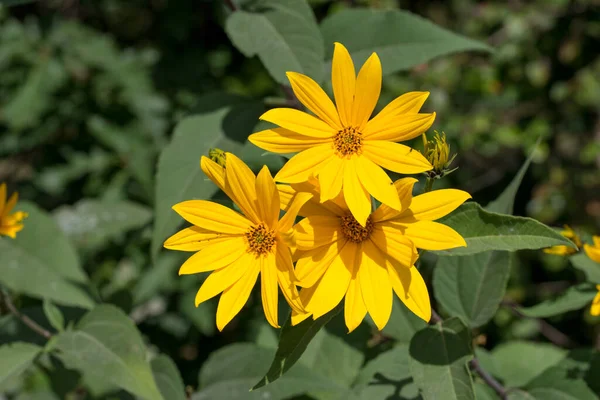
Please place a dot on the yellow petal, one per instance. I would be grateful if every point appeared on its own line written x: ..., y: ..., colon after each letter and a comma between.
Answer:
x: 281, y: 140
x: 411, y: 290
x: 331, y: 177
x: 233, y: 298
x: 223, y: 278
x: 392, y: 242
x: 356, y: 196
x: 286, y: 195
x: 215, y: 173
x: 592, y: 252
x: 10, y: 204
x: 366, y: 93
x: 11, y: 230
x: 285, y: 224
x: 311, y: 207
x: 299, y: 121
x: 240, y: 182
x: 354, y: 306
x: 193, y: 239
x: 304, y: 164
x: 333, y: 285
x: 316, y: 231
x: 267, y: 197
x: 560, y: 250
x: 313, y: 264
x: 595, y: 309
x: 399, y: 128
x: 404, y: 188
x: 343, y: 80
x: 596, y: 240
x: 212, y: 216
x: 305, y: 296
x: 396, y: 157
x: 314, y: 98
x: 408, y: 103
x: 2, y: 197
x: 377, y: 183
x: 431, y: 235
x: 215, y: 256
x: 268, y: 288
x: 434, y: 205
x: 375, y: 284
x: 286, y: 278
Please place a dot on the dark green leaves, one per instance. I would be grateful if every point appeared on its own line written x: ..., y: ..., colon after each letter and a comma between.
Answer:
x: 439, y: 356
x: 573, y: 298
x: 558, y: 384
x: 167, y: 378
x: 15, y: 358
x: 590, y: 268
x: 283, y: 34
x: 402, y: 40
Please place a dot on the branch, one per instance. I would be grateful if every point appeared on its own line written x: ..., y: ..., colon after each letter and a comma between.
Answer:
x: 488, y: 379
x: 24, y: 318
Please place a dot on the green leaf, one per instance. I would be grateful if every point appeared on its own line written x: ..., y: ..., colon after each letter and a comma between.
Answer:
x: 403, y: 324
x: 15, y: 358
x: 556, y: 384
x: 225, y: 122
x: 387, y: 376
x: 91, y: 223
x: 518, y: 362
x: 438, y: 360
x: 472, y: 287
x: 283, y: 33
x: 107, y: 347
x: 484, y: 231
x: 167, y: 378
x: 401, y: 40
x: 573, y: 298
x: 484, y: 392
x: 292, y: 344
x: 160, y: 276
x: 590, y: 268
x: 54, y: 315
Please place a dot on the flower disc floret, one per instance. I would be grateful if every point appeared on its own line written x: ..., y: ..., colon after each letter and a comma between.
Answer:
x: 260, y: 240
x: 347, y: 142
x: 354, y: 231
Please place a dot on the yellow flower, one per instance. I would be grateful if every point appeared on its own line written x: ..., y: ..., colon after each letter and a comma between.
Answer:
x: 592, y: 252
x: 237, y: 248
x: 595, y: 309
x: 437, y: 152
x: 342, y: 146
x: 339, y: 258
x: 566, y: 250
x: 10, y: 224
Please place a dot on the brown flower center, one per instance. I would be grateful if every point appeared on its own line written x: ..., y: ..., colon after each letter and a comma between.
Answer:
x: 347, y: 142
x: 354, y: 231
x: 260, y: 239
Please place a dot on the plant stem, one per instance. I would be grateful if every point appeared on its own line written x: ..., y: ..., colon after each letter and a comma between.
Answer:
x: 428, y: 185
x: 488, y: 379
x: 24, y: 318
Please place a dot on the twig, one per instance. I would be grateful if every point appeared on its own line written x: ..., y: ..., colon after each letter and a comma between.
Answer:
x: 24, y: 318
x: 488, y: 379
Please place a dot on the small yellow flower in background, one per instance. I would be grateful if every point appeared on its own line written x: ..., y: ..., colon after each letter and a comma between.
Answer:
x: 217, y: 155
x: 237, y: 248
x: 562, y: 250
x: 338, y: 257
x: 10, y: 224
x: 342, y: 145
x: 593, y: 251
x: 437, y: 152
x: 595, y: 309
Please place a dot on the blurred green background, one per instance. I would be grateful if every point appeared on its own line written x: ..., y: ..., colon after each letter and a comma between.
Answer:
x: 90, y: 92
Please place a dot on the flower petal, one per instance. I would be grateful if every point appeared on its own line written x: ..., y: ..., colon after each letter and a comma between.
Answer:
x: 375, y: 284
x: 281, y: 140
x: 304, y: 164
x: 268, y: 288
x: 431, y: 235
x: 218, y: 254
x: 223, y: 278
x: 396, y: 157
x: 10, y: 204
x: 305, y: 295
x: 377, y: 182
x: 316, y: 231
x: 286, y: 222
x: 433, y: 205
x: 313, y: 264
x: 331, y: 177
x: 300, y: 122
x: 233, y: 298
x: 366, y: 93
x: 392, y: 242
x: 404, y: 188
x: 2, y: 197
x: 287, y: 278
x: 592, y: 252
x: 356, y: 196
x: 240, y: 182
x: 216, y: 173
x: 354, y: 306
x: 595, y: 309
x: 333, y: 285
x: 267, y: 197
x: 311, y: 207
x: 412, y: 290
x: 314, y: 98
x: 399, y: 128
x: 343, y: 80
x: 193, y: 239
x: 408, y: 104
x: 212, y: 216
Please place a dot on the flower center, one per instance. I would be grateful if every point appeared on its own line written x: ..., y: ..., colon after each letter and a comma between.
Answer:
x: 353, y: 231
x: 347, y: 142
x: 260, y: 239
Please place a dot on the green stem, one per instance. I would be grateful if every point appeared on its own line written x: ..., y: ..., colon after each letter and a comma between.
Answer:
x: 428, y: 185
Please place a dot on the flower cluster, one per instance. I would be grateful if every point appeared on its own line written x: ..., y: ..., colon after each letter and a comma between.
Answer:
x: 343, y: 248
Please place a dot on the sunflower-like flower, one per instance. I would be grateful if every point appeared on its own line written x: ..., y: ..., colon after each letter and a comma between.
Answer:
x: 342, y: 146
x: 237, y: 248
x: 593, y: 252
x: 10, y: 224
x: 338, y: 257
x: 562, y: 250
